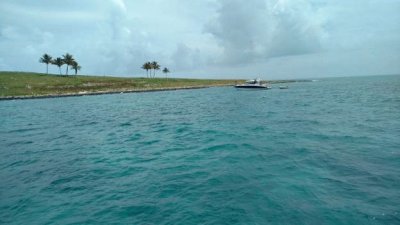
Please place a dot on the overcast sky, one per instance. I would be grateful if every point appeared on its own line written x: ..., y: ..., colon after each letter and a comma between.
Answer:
x: 271, y: 39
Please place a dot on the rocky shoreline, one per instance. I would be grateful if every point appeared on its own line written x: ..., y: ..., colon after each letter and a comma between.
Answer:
x: 86, y: 93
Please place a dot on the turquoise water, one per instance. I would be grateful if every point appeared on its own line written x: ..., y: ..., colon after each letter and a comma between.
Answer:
x: 324, y: 152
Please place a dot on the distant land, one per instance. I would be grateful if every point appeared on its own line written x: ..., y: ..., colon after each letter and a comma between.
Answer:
x: 26, y: 85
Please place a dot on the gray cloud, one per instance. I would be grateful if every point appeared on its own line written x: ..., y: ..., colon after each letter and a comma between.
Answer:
x: 261, y: 29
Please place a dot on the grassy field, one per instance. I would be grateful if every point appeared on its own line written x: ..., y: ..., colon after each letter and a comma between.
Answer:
x: 36, y: 84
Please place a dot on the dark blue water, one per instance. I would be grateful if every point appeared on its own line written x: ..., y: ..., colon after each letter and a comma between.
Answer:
x: 325, y: 152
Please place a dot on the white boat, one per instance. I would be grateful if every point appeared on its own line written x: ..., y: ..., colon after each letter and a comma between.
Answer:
x: 256, y: 83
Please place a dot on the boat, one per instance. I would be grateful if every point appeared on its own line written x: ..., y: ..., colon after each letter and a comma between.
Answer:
x: 255, y: 83
x: 283, y: 87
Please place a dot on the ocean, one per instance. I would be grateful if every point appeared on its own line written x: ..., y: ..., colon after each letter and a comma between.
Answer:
x: 323, y: 152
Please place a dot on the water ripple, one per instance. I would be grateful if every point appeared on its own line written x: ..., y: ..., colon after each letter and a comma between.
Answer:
x: 319, y: 153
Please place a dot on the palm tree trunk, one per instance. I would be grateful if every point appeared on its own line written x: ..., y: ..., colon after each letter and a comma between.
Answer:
x: 66, y: 73
x: 47, y: 68
x: 59, y: 68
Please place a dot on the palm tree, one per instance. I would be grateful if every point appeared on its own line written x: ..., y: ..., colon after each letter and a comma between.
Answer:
x: 147, y: 66
x: 68, y: 59
x: 58, y: 62
x: 155, y: 66
x: 75, y: 66
x: 166, y: 71
x: 46, y: 59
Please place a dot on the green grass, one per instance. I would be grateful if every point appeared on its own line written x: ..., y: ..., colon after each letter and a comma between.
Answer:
x: 32, y: 84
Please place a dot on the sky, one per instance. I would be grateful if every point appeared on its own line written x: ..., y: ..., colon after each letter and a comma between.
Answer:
x: 271, y: 39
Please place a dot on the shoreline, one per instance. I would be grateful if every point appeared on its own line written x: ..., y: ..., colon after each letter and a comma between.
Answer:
x: 22, y: 86
x: 87, y: 93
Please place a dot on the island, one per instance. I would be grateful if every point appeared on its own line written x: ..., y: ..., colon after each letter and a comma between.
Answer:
x: 28, y: 85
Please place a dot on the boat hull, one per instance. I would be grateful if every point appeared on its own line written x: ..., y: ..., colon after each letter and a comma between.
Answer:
x: 252, y: 86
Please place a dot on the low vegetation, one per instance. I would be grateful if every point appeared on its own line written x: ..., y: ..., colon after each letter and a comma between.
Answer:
x: 35, y: 84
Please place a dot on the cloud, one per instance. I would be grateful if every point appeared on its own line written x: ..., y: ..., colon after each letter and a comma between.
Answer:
x: 213, y: 38
x: 98, y: 35
x: 186, y: 58
x: 262, y: 29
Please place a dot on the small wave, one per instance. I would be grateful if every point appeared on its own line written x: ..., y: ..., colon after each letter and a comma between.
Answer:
x: 17, y: 143
x: 21, y: 163
x: 149, y: 142
x: 23, y: 130
x: 136, y: 210
x: 182, y: 129
x: 221, y: 147
x: 258, y: 129
x: 86, y: 123
x: 62, y: 137
x: 64, y: 180
x: 135, y: 137
x: 209, y: 132
x: 125, y: 124
x: 73, y: 189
